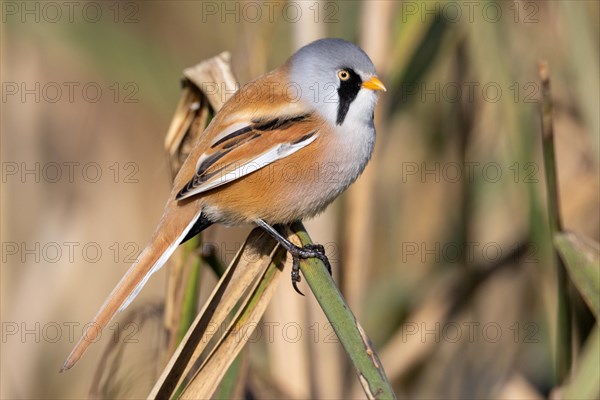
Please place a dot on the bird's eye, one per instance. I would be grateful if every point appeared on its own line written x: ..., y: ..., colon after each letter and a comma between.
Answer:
x: 343, y: 75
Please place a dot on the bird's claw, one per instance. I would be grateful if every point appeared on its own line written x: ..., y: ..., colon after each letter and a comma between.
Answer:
x: 307, y: 251
x: 296, y: 274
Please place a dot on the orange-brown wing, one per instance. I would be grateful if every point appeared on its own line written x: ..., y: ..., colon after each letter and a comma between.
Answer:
x: 247, y: 147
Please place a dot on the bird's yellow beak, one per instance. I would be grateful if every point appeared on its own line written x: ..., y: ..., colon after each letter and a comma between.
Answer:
x: 374, y: 84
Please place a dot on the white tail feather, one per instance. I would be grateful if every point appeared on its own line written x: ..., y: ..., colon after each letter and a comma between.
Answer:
x: 158, y: 264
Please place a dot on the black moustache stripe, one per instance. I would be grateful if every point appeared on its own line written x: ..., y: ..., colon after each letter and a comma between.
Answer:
x: 347, y: 93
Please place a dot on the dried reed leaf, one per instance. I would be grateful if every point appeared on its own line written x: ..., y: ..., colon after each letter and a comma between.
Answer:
x: 232, y: 291
x: 222, y: 356
x: 207, y: 85
x: 233, y: 384
x: 215, y: 79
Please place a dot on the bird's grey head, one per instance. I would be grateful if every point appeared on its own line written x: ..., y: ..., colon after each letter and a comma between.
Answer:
x: 333, y: 76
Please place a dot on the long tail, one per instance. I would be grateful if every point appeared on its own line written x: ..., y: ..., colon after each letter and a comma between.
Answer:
x: 174, y: 226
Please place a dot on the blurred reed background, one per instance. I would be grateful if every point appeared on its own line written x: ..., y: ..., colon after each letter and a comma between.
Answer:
x: 442, y: 248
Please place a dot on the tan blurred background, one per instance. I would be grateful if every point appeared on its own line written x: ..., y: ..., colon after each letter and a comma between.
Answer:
x: 425, y: 245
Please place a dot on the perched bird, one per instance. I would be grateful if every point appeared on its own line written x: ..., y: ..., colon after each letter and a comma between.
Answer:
x: 280, y: 149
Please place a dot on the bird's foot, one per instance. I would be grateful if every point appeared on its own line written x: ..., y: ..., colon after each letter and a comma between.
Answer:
x: 307, y: 251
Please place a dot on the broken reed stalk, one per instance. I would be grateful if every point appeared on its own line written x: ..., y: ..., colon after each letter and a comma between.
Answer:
x: 564, y: 312
x: 191, y: 117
